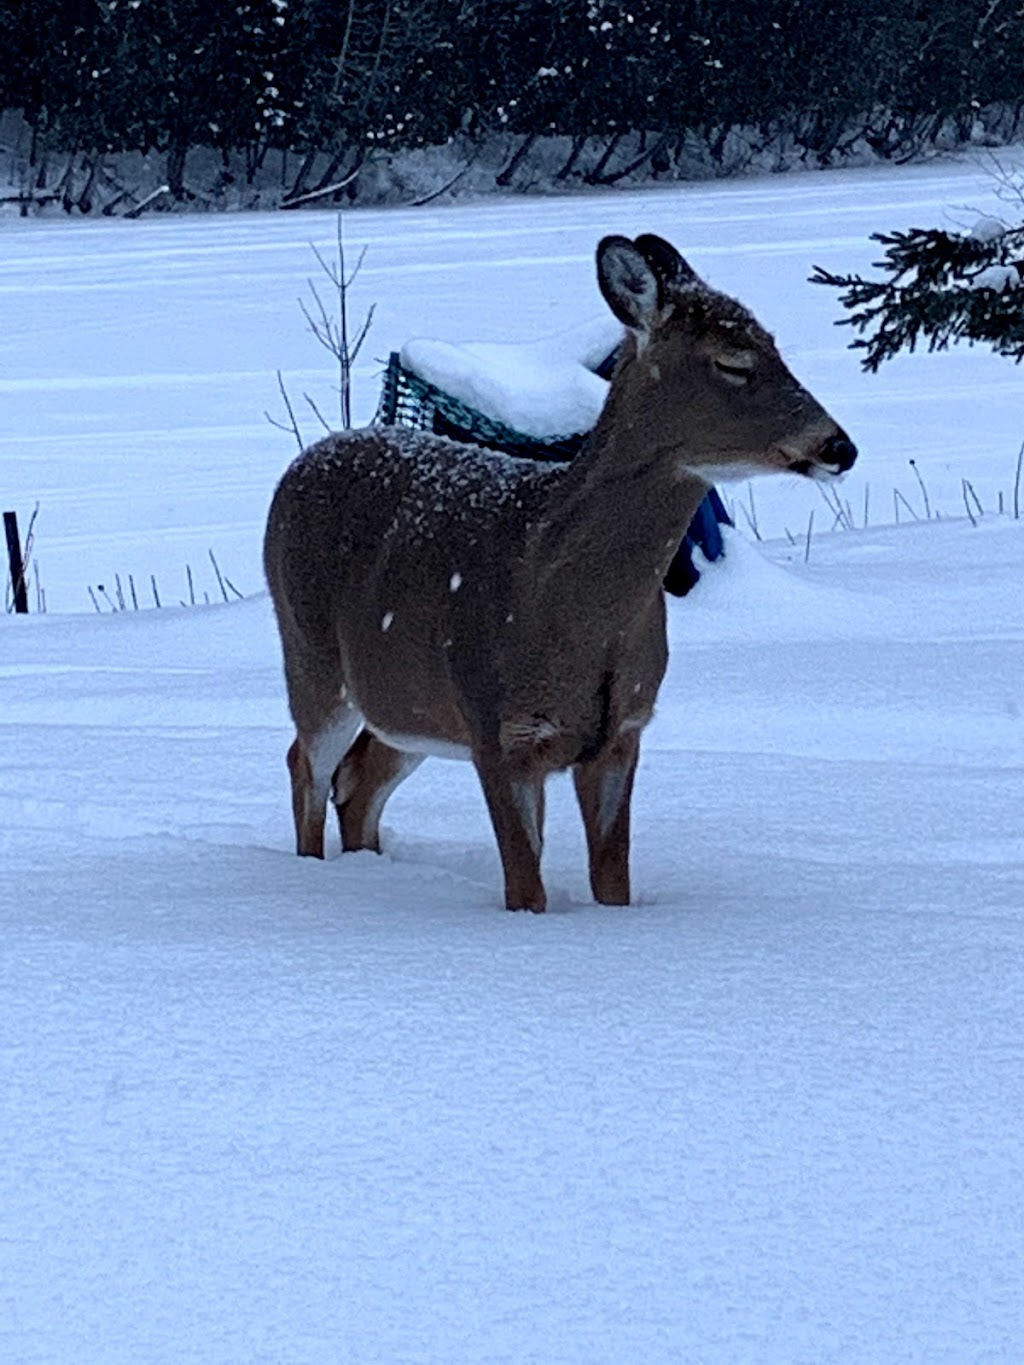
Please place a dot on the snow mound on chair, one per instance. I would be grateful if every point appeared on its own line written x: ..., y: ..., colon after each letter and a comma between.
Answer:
x: 545, y: 388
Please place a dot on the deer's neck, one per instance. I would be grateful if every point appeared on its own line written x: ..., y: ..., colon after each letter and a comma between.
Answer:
x: 619, y: 513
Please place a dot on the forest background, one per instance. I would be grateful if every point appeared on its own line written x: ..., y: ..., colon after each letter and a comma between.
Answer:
x: 267, y: 102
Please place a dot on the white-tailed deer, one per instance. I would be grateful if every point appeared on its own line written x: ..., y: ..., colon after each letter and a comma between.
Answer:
x: 436, y: 598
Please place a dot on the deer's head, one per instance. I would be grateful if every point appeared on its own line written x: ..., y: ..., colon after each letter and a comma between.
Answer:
x: 705, y: 377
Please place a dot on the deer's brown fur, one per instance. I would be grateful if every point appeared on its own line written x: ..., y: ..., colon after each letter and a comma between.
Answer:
x: 434, y: 597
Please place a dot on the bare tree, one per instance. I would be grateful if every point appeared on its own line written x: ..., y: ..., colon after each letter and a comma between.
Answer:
x: 328, y: 319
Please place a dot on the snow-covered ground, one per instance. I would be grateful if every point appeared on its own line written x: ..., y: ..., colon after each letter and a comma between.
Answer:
x: 256, y: 1108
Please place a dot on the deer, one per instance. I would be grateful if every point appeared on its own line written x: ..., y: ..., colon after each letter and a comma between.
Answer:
x: 436, y: 598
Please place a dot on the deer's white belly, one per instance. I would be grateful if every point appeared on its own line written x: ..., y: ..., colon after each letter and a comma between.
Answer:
x: 422, y: 744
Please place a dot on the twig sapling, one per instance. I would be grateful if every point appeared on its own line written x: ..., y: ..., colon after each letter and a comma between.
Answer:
x: 328, y: 320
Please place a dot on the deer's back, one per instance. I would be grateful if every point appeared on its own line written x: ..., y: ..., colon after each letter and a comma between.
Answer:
x: 386, y: 499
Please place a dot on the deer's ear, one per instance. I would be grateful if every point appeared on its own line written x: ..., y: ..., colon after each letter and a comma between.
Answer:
x: 628, y: 282
x: 666, y: 261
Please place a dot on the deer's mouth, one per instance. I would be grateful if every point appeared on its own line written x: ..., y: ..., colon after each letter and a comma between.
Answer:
x: 812, y: 469
x: 831, y: 461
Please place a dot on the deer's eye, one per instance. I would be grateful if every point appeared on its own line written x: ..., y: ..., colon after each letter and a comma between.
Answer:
x: 735, y: 371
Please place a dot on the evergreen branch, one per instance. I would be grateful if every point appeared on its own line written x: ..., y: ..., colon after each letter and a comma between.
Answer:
x: 935, y: 291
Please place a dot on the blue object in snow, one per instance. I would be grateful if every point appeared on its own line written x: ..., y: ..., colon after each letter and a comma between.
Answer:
x: 706, y: 532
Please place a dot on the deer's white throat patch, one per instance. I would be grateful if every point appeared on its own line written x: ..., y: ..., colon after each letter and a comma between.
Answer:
x: 723, y: 473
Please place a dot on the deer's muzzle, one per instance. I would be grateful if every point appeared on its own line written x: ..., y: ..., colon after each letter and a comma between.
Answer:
x: 832, y: 458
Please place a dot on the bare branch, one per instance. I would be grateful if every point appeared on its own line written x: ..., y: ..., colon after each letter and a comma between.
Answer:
x: 220, y: 580
x: 293, y: 425
x: 964, y: 486
x: 326, y: 190
x: 449, y: 184
x: 144, y: 204
x: 899, y: 498
x: 360, y: 337
x: 924, y: 491
x: 317, y: 413
x: 841, y: 515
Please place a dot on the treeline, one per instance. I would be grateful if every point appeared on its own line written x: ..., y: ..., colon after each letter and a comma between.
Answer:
x: 335, y: 83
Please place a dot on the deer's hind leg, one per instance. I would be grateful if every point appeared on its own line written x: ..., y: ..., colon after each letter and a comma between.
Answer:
x: 363, y: 782
x: 312, y: 759
x: 326, y: 723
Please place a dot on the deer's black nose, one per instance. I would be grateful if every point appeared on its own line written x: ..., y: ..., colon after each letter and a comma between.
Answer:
x: 840, y: 451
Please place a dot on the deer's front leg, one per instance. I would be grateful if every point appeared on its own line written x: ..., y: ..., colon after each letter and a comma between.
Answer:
x: 604, y: 788
x: 515, y: 800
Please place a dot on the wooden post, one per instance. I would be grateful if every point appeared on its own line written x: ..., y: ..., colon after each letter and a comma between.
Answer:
x: 15, y: 561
